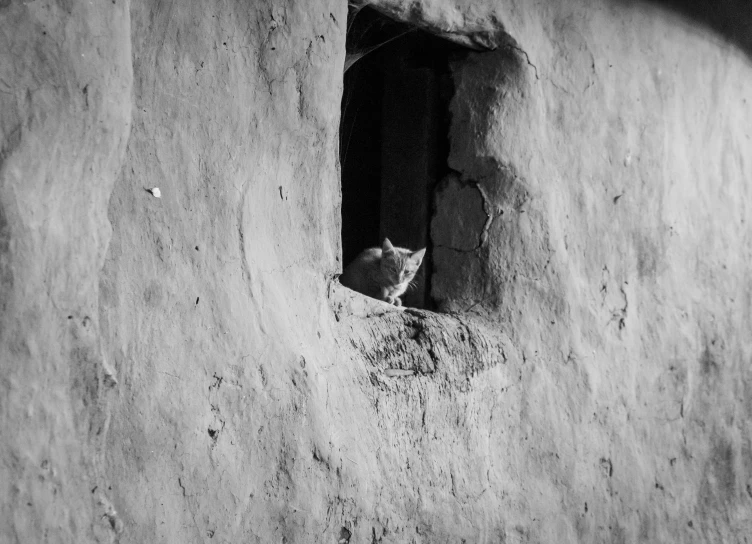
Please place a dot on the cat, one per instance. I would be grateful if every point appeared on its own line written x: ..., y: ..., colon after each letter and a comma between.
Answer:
x: 383, y: 273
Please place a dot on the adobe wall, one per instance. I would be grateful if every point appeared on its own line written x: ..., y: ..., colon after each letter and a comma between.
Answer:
x: 187, y: 369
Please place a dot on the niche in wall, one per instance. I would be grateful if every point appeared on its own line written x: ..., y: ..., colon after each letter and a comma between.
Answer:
x: 393, y: 137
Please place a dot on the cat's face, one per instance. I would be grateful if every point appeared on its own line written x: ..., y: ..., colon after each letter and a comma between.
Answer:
x: 399, y: 265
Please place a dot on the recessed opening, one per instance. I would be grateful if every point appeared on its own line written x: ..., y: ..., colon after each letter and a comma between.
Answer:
x: 393, y: 137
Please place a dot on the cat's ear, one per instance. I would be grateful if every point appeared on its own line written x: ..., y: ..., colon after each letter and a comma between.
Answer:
x: 387, y: 246
x: 417, y: 256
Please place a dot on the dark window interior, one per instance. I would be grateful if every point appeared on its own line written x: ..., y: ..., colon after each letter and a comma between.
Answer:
x: 393, y: 137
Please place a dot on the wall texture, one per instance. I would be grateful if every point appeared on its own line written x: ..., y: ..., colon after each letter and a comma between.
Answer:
x: 608, y: 170
x: 65, y: 110
x: 187, y: 369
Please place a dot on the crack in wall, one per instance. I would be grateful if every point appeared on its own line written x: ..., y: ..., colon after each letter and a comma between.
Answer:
x: 246, y: 266
x: 527, y: 57
x: 483, y: 237
x: 488, y: 210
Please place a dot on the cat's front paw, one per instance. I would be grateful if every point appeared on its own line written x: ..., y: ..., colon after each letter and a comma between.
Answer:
x: 397, y: 301
x: 389, y: 299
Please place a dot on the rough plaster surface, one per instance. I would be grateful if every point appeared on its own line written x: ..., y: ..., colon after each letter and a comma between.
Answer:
x: 65, y: 83
x: 614, y: 169
x: 200, y: 376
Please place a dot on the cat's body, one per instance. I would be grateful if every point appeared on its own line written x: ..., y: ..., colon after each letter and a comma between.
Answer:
x: 383, y: 273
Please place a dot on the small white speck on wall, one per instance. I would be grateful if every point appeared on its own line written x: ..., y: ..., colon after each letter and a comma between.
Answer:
x: 155, y: 192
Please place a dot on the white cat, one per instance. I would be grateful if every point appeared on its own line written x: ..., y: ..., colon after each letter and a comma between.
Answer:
x: 383, y: 273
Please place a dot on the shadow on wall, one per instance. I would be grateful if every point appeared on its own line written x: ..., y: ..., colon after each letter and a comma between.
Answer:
x: 732, y: 19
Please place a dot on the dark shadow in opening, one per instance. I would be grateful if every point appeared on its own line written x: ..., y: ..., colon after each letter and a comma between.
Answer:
x: 394, y: 138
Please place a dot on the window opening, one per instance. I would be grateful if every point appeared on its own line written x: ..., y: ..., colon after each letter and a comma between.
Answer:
x: 393, y: 137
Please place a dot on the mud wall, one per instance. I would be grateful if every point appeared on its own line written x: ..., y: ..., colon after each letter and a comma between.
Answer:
x: 65, y: 110
x: 187, y: 369
x: 607, y: 175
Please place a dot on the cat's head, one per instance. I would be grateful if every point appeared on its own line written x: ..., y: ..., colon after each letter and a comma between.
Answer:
x: 398, y: 264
